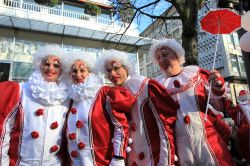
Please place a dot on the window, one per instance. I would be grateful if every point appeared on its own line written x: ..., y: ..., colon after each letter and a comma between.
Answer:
x: 238, y: 65
x: 235, y: 64
x: 148, y: 58
x: 236, y: 39
x: 21, y: 71
x: 242, y: 67
x: 4, y: 71
x: 233, y: 39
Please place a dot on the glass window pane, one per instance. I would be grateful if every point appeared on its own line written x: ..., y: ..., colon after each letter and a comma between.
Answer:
x: 21, y: 71
x: 235, y: 65
x: 242, y: 65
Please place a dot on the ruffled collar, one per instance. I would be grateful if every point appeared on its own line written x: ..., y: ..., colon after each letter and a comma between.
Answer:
x: 48, y: 93
x: 88, y: 89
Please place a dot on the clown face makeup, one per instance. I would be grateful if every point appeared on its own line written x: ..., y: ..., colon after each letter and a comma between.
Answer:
x: 79, y: 72
x: 116, y: 72
x: 51, y: 68
x: 167, y: 60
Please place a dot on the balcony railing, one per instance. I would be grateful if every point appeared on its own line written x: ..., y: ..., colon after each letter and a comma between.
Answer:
x: 24, y: 6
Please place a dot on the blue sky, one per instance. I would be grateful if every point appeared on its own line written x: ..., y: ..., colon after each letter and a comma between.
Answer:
x: 144, y: 21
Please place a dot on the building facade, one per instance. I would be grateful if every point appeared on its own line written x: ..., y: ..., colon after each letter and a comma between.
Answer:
x: 26, y: 26
x: 229, y: 60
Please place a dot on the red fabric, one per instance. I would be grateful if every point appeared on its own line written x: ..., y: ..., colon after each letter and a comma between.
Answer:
x: 243, y: 132
x: 152, y: 131
x: 102, y: 129
x: 243, y: 138
x: 233, y: 112
x: 217, y: 143
x: 9, y: 97
x: 217, y: 131
x: 222, y: 128
x: 167, y: 110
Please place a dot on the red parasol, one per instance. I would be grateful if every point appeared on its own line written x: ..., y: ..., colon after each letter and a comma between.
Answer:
x: 222, y: 21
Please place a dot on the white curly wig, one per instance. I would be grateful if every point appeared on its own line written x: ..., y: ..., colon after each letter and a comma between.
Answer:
x: 114, y: 55
x: 74, y: 55
x: 44, y: 52
x: 172, y: 44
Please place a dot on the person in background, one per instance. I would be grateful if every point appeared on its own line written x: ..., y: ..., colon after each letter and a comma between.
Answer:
x: 97, y: 126
x: 152, y: 117
x: 201, y: 138
x: 241, y: 116
x: 32, y: 114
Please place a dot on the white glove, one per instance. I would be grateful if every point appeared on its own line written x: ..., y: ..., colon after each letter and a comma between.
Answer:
x: 117, y: 162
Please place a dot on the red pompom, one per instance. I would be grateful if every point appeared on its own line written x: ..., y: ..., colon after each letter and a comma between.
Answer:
x: 72, y: 136
x: 81, y: 145
x: 133, y: 127
x: 187, y: 119
x: 79, y: 124
x: 141, y: 156
x: 176, y: 84
x: 74, y: 154
x: 73, y: 110
x: 54, y: 149
x: 54, y: 125
x: 39, y: 112
x: 134, y: 164
x: 34, y: 134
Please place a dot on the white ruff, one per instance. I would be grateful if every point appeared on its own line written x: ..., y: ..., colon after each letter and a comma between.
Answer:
x: 48, y: 93
x: 88, y: 89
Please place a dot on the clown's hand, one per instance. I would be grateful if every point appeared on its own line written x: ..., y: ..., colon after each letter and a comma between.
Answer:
x: 217, y: 83
x: 117, y: 162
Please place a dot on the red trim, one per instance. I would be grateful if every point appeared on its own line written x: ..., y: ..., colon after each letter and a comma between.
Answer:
x: 10, y: 104
x: 151, y: 130
x: 102, y: 132
x: 101, y: 125
x: 166, y: 109
x: 16, y: 137
x: 141, y: 88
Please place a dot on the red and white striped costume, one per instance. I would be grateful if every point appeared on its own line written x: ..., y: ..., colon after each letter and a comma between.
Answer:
x: 198, y: 142
x: 31, y: 122
x: 241, y: 116
x: 152, y: 122
x: 97, y: 127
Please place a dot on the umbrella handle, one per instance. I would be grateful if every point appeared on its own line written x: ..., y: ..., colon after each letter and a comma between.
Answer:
x: 210, y: 83
x: 208, y: 99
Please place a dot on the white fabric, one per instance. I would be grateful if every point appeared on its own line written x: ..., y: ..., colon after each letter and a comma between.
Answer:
x: 84, y: 96
x: 117, y: 162
x: 36, y: 152
x: 39, y: 149
x: 190, y: 141
x: 48, y: 93
x: 82, y: 91
x: 140, y: 141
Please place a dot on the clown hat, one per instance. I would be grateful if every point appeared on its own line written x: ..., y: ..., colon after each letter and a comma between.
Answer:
x: 243, y: 95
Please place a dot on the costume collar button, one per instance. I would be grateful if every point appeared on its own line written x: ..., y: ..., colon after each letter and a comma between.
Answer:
x: 39, y: 112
